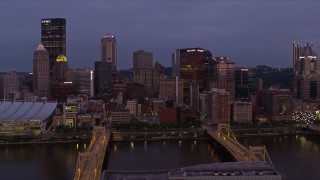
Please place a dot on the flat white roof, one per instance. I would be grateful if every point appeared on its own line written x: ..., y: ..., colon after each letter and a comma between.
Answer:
x: 25, y: 111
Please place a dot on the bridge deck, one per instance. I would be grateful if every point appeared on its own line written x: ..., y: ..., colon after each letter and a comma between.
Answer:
x: 89, y: 165
x: 239, y: 152
x: 224, y: 135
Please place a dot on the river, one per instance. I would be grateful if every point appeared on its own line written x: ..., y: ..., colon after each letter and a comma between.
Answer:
x: 297, y: 157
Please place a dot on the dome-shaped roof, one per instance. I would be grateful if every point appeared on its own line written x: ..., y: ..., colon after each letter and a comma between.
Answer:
x: 61, y: 58
x: 40, y: 47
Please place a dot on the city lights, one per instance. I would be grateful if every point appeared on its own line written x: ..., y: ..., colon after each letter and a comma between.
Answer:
x: 304, y: 117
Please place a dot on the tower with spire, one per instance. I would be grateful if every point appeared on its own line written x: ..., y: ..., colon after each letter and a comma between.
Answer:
x: 41, y: 72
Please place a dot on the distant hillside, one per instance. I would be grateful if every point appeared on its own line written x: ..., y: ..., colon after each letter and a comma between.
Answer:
x: 125, y: 72
x: 276, y: 76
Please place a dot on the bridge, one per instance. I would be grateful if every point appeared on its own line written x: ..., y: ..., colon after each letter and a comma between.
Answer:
x: 224, y: 135
x: 312, y: 127
x: 89, y: 163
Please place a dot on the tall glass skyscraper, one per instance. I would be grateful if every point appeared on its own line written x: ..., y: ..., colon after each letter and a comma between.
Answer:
x: 189, y: 64
x: 53, y: 38
x: 109, y: 50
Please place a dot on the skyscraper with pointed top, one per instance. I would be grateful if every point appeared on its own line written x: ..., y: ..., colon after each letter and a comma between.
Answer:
x: 41, y: 75
x: 306, y: 67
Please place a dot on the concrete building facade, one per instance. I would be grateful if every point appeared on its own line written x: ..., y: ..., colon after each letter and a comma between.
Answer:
x: 242, y: 112
x: 220, y: 106
x: 278, y: 103
x: 224, y: 75
x: 171, y: 88
x: 108, y: 51
x: 41, y: 72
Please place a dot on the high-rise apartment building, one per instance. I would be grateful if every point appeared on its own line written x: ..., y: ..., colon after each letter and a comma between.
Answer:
x: 53, y: 38
x: 215, y: 105
x: 220, y: 106
x: 41, y: 72
x: 108, y: 51
x: 306, y: 67
x: 224, y: 75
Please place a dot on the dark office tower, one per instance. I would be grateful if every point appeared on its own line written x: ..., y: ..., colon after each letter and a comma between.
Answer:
x: 245, y: 83
x: 189, y: 64
x: 103, y: 78
x: 53, y: 38
x: 209, y: 65
x: 108, y: 51
x: 194, y: 94
x: 224, y: 75
x: 306, y: 68
x: 41, y: 77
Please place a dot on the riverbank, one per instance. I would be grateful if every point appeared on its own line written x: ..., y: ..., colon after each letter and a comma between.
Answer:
x: 275, y: 134
x: 39, y: 142
x: 159, y: 135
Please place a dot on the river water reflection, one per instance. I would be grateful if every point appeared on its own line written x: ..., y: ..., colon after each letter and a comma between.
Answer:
x: 157, y: 155
x: 298, y: 157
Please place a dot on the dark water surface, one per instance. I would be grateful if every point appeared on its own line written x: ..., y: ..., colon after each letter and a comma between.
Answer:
x: 298, y: 157
x: 158, y: 155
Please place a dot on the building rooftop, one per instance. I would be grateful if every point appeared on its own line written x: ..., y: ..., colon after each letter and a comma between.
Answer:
x: 233, y: 170
x: 61, y: 58
x: 25, y: 111
x: 41, y: 47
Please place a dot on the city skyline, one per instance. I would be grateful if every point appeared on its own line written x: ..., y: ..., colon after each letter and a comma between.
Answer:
x: 245, y: 31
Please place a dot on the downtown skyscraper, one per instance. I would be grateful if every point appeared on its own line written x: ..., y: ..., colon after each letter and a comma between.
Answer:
x: 145, y: 73
x: 306, y: 67
x: 41, y: 76
x: 53, y: 38
x: 108, y: 51
x: 189, y: 64
x: 224, y: 75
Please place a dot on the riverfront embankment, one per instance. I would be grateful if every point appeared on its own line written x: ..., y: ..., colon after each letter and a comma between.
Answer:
x: 154, y: 135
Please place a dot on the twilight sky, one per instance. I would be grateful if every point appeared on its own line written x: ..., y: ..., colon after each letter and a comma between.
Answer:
x: 250, y: 32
